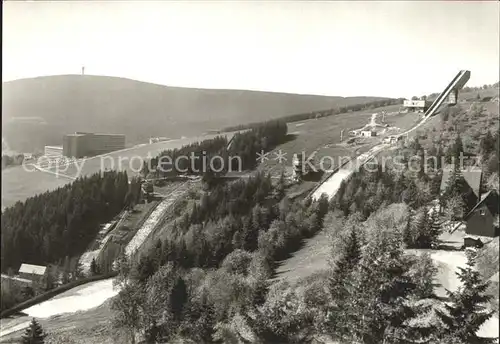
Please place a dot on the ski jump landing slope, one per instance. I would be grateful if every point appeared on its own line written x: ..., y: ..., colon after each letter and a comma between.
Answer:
x: 332, y: 184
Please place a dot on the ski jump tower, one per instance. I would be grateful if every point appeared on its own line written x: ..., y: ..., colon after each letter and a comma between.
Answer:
x: 450, y: 93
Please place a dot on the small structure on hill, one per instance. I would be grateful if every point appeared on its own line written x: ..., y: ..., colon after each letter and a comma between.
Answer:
x: 416, y: 105
x: 482, y: 220
x: 368, y: 133
x: 32, y: 272
x: 390, y: 139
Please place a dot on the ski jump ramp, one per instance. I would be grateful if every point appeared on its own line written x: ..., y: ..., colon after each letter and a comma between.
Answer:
x: 450, y: 93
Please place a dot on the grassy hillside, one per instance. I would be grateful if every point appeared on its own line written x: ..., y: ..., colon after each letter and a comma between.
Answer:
x: 38, y: 111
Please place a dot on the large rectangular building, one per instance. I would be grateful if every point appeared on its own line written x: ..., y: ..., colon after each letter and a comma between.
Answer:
x: 80, y: 144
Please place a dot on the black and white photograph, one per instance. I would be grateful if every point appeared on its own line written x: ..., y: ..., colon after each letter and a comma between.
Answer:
x: 250, y: 172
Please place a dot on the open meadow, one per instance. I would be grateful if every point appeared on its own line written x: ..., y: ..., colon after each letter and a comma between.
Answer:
x: 322, y: 136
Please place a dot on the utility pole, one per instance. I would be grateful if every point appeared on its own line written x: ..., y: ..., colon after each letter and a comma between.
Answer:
x: 83, y: 70
x: 341, y: 135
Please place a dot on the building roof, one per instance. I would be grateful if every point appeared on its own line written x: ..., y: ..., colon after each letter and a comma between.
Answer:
x: 471, y: 175
x: 32, y: 269
x: 490, y: 199
x: 415, y: 103
x: 494, y: 278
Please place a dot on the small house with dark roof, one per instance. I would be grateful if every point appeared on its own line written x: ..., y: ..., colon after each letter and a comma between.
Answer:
x: 472, y: 177
x: 482, y: 220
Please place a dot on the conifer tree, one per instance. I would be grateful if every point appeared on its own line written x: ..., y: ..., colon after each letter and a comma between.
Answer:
x: 456, y: 195
x: 379, y: 311
x: 337, y: 322
x: 407, y: 237
x: 49, y: 280
x: 467, y: 311
x: 487, y: 144
x: 128, y: 309
x: 34, y: 334
x: 94, y: 268
x: 157, y: 254
x: 77, y: 269
x: 178, y: 298
x: 420, y: 226
x: 66, y: 271
x: 456, y: 182
x: 434, y: 227
x: 435, y: 185
x: 144, y: 269
x: 426, y: 229
x: 455, y: 151
x: 439, y: 157
x: 249, y: 235
x: 280, y: 188
x: 455, y: 208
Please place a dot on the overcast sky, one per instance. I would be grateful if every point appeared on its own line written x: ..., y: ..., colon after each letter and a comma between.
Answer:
x: 334, y: 48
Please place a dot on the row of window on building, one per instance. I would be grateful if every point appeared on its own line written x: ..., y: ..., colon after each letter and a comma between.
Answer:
x: 80, y: 144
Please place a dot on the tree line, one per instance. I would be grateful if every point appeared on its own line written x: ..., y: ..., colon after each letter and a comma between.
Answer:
x: 240, y: 155
x: 324, y: 113
x: 12, y: 160
x: 373, y: 292
x: 217, y: 259
x: 54, y: 228
x: 48, y: 227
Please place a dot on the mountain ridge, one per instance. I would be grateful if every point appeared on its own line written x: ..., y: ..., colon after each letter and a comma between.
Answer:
x: 138, y: 109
